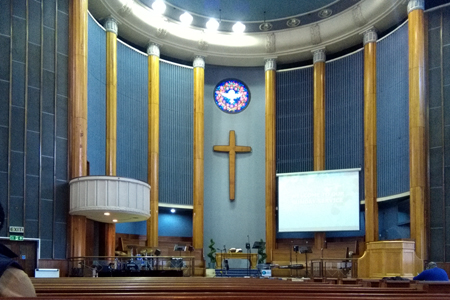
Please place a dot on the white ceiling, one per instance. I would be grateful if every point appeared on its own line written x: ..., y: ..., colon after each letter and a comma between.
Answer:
x: 332, y: 25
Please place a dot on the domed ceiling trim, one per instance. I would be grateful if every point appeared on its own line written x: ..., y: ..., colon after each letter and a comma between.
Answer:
x: 139, y: 25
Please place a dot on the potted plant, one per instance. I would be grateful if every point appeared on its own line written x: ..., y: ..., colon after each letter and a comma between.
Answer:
x: 210, y: 271
x: 212, y: 255
x: 262, y: 252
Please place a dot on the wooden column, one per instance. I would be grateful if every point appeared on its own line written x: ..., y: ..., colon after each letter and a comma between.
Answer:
x: 319, y: 125
x: 417, y: 128
x: 199, y: 159
x: 153, y: 143
x: 270, y: 91
x: 370, y: 135
x: 109, y: 233
x: 77, y: 115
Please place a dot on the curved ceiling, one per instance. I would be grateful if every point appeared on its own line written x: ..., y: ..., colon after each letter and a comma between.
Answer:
x: 248, y: 10
x: 287, y: 30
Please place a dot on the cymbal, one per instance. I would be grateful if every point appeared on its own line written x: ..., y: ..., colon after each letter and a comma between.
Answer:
x: 120, y: 253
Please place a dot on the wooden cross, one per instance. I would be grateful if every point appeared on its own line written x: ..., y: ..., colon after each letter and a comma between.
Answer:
x: 232, y: 149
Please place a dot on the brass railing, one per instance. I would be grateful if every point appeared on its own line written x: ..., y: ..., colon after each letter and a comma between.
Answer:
x: 126, y: 266
x: 334, y: 267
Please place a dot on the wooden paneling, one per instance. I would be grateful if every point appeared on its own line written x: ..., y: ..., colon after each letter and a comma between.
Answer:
x: 153, y: 148
x: 389, y: 259
x: 199, y: 156
x: 270, y: 90
x: 417, y: 137
x: 370, y: 141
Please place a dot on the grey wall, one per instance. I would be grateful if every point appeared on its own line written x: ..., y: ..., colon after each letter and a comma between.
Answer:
x: 229, y: 222
x: 33, y: 120
x: 439, y: 132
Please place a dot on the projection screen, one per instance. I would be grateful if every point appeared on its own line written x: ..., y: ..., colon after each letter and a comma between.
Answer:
x: 318, y: 201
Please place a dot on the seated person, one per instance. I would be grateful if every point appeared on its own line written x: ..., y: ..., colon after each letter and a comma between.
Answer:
x: 432, y: 273
x: 14, y: 282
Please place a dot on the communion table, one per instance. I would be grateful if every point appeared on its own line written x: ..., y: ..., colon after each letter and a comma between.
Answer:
x: 252, y: 258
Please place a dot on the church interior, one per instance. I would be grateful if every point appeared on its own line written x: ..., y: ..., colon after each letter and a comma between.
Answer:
x: 303, y: 141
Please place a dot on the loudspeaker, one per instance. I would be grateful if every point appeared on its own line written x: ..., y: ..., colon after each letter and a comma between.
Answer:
x: 247, y: 245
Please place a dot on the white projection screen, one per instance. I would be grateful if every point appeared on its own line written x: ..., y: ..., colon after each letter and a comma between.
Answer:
x: 318, y: 201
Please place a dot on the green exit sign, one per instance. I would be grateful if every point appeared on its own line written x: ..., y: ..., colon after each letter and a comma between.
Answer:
x: 16, y: 238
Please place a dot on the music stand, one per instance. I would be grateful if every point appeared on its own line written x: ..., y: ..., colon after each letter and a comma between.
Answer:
x: 306, y: 250
x: 295, y: 248
x: 257, y: 245
x: 179, y: 248
x: 179, y: 261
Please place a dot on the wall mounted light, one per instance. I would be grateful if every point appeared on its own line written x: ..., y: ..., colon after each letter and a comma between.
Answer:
x: 238, y: 27
x: 212, y: 24
x: 159, y: 7
x: 186, y: 18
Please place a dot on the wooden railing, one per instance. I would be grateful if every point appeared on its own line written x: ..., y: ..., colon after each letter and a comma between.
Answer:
x: 235, y: 288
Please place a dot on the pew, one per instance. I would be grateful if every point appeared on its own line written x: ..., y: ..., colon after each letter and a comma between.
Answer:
x: 228, y: 288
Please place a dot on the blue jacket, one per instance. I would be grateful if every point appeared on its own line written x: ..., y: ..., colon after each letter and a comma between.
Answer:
x: 434, y: 274
x: 6, y: 259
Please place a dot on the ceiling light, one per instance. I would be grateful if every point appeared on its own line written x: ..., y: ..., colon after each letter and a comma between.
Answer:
x: 238, y: 27
x: 106, y: 213
x: 173, y: 210
x: 115, y: 220
x: 159, y: 6
x: 186, y: 18
x: 212, y: 24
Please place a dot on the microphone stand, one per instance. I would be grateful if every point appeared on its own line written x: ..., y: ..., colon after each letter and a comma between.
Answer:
x: 290, y: 259
x: 248, y: 255
x: 221, y: 263
x: 225, y: 265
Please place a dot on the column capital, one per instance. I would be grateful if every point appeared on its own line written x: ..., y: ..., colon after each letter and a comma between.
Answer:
x: 199, y: 62
x: 370, y: 36
x: 415, y: 4
x: 319, y: 55
x: 153, y: 49
x: 111, y: 25
x: 270, y: 64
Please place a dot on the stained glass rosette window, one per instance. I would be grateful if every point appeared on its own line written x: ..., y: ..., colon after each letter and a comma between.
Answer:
x: 231, y: 96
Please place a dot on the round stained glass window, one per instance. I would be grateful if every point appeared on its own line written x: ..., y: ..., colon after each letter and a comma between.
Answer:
x: 231, y: 95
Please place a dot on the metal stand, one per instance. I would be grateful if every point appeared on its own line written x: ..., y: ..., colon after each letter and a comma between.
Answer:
x: 249, y: 251
x: 306, y: 250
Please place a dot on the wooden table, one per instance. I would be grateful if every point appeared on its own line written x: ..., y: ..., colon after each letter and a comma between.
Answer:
x: 252, y: 258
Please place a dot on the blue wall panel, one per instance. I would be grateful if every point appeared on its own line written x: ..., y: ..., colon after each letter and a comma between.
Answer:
x: 132, y: 113
x: 392, y: 114
x: 344, y: 109
x: 294, y: 124
x: 176, y: 134
x: 96, y: 136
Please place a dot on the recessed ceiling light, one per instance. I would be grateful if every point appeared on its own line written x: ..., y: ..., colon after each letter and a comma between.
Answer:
x: 238, y: 27
x: 265, y: 26
x: 173, y: 210
x: 325, y: 13
x: 294, y: 22
x: 159, y: 6
x: 106, y: 213
x: 212, y: 24
x: 186, y: 18
x: 115, y: 220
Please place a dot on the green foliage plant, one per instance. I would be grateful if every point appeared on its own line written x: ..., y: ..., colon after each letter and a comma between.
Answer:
x: 262, y: 252
x: 212, y: 252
